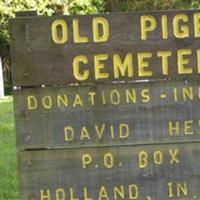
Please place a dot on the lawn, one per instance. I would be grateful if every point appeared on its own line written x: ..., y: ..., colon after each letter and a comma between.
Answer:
x: 8, y: 161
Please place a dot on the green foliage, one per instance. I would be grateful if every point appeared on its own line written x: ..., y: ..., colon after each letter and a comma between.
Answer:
x: 8, y: 8
x: 86, y: 6
x: 137, y: 5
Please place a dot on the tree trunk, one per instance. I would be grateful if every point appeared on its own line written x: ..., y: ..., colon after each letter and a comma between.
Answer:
x: 1, y: 80
x: 112, y: 5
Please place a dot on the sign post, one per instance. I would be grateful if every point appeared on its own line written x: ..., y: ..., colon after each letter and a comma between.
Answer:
x: 107, y: 106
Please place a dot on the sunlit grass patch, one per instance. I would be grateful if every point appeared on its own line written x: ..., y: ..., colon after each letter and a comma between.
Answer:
x: 8, y: 161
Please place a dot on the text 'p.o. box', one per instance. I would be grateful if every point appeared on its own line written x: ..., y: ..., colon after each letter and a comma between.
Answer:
x: 107, y: 106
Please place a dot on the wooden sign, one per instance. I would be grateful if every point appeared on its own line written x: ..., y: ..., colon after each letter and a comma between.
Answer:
x: 125, y: 172
x: 105, y: 48
x: 131, y: 113
x: 107, y: 106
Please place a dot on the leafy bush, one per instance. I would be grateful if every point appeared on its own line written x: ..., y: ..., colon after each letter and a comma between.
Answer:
x: 130, y: 5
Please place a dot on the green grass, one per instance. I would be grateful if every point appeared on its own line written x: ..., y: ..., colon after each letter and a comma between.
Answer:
x: 8, y: 160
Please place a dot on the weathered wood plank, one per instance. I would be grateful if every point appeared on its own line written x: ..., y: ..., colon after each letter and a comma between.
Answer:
x: 131, y: 113
x: 145, y: 172
x: 37, y: 59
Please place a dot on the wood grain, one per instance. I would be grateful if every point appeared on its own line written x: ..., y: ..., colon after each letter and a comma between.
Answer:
x: 147, y: 121
x: 37, y: 60
x: 62, y: 169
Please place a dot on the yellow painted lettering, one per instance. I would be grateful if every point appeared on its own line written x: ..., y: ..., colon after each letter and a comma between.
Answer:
x: 32, y: 103
x: 143, y: 162
x: 148, y: 24
x: 158, y: 157
x: 60, y: 194
x: 81, y: 76
x: 174, y: 128
x: 100, y: 130
x: 62, y: 100
x: 59, y: 31
x: 72, y: 196
x: 47, y: 102
x: 175, y: 92
x: 45, y: 195
x: 86, y: 160
x: 77, y: 37
x: 182, y: 189
x: 123, y: 68
x: 69, y: 133
x: 103, y: 194
x: 77, y: 101
x: 101, y: 30
x: 133, y: 192
x: 119, y: 192
x: 182, y: 61
x: 145, y: 95
x: 198, y: 60
x: 108, y: 160
x: 115, y: 97
x: 85, y: 193
x: 164, y: 23
x: 165, y: 60
x: 170, y: 190
x: 180, y: 31
x: 112, y: 131
x: 91, y: 96
x: 196, y: 18
x: 188, y: 127
x: 85, y: 134
x: 174, y: 156
x: 188, y: 93
x: 177, y: 189
x: 130, y: 96
x: 123, y: 131
x: 144, y: 65
x: 99, y: 66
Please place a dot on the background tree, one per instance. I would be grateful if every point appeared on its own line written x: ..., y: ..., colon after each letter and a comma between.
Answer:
x: 139, y: 5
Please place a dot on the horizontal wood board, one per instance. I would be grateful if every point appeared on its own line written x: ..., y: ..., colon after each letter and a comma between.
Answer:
x: 37, y: 60
x: 45, y: 172
x: 143, y: 119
